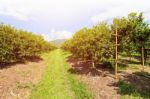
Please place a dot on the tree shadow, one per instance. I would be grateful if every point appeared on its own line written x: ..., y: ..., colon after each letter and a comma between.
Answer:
x: 127, y: 61
x: 33, y: 59
x: 24, y: 61
x: 137, y: 82
x: 8, y: 65
x: 85, y: 68
x: 122, y: 65
x: 132, y: 56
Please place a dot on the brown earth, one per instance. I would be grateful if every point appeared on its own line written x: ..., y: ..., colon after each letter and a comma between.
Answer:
x: 101, y: 81
x: 17, y: 81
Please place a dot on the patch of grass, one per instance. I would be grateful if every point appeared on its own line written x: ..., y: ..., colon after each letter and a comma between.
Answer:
x: 122, y: 66
x: 125, y: 62
x: 57, y: 82
x: 128, y: 91
x: 126, y: 88
x: 20, y: 85
x: 133, y: 66
x: 80, y: 89
x: 142, y: 73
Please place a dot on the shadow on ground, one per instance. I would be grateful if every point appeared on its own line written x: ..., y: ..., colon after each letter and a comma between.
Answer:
x: 140, y: 80
x: 27, y: 59
x: 85, y: 68
x: 137, y: 83
x: 127, y: 61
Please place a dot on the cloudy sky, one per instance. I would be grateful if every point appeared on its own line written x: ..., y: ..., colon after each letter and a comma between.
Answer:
x: 57, y: 19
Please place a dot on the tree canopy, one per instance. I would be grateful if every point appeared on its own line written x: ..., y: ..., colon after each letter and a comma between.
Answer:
x: 18, y: 45
x: 97, y: 43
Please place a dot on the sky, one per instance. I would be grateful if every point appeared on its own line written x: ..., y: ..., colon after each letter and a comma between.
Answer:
x: 60, y: 19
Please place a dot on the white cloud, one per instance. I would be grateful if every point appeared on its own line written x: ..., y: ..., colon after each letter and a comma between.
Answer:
x: 16, y: 8
x: 27, y: 9
x: 123, y: 8
x: 53, y: 35
x: 15, y: 14
x: 72, y: 14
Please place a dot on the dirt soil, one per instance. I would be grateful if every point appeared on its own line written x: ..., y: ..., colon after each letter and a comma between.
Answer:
x: 17, y: 81
x: 101, y: 80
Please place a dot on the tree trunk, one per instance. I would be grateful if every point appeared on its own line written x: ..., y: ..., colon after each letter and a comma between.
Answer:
x: 145, y: 55
x: 143, y: 58
x: 93, y: 64
x: 130, y: 56
x: 116, y: 61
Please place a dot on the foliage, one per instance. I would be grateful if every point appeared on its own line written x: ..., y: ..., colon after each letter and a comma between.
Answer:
x: 133, y: 29
x: 96, y: 44
x: 18, y: 45
x: 91, y: 44
x: 133, y: 33
x: 140, y: 29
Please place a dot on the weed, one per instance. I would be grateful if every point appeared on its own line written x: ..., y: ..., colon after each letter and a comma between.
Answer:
x: 29, y: 85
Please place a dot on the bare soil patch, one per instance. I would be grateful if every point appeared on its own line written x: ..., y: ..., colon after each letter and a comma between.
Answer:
x: 101, y: 80
x: 17, y: 81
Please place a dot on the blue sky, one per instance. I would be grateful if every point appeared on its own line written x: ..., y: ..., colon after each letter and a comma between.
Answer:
x: 58, y: 19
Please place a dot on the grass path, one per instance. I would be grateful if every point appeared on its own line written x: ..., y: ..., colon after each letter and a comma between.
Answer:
x: 57, y: 82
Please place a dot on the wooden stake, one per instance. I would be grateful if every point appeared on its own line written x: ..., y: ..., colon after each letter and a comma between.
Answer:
x: 116, y: 53
x: 93, y: 64
x: 143, y: 58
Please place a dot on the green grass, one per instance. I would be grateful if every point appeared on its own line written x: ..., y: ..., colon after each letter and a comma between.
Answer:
x: 144, y: 74
x: 57, y: 82
x: 126, y: 88
x: 80, y: 89
x: 129, y: 91
x: 20, y: 85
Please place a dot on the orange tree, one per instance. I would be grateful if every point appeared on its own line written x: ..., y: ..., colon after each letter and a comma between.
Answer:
x: 134, y: 33
x: 18, y: 45
x: 91, y: 44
